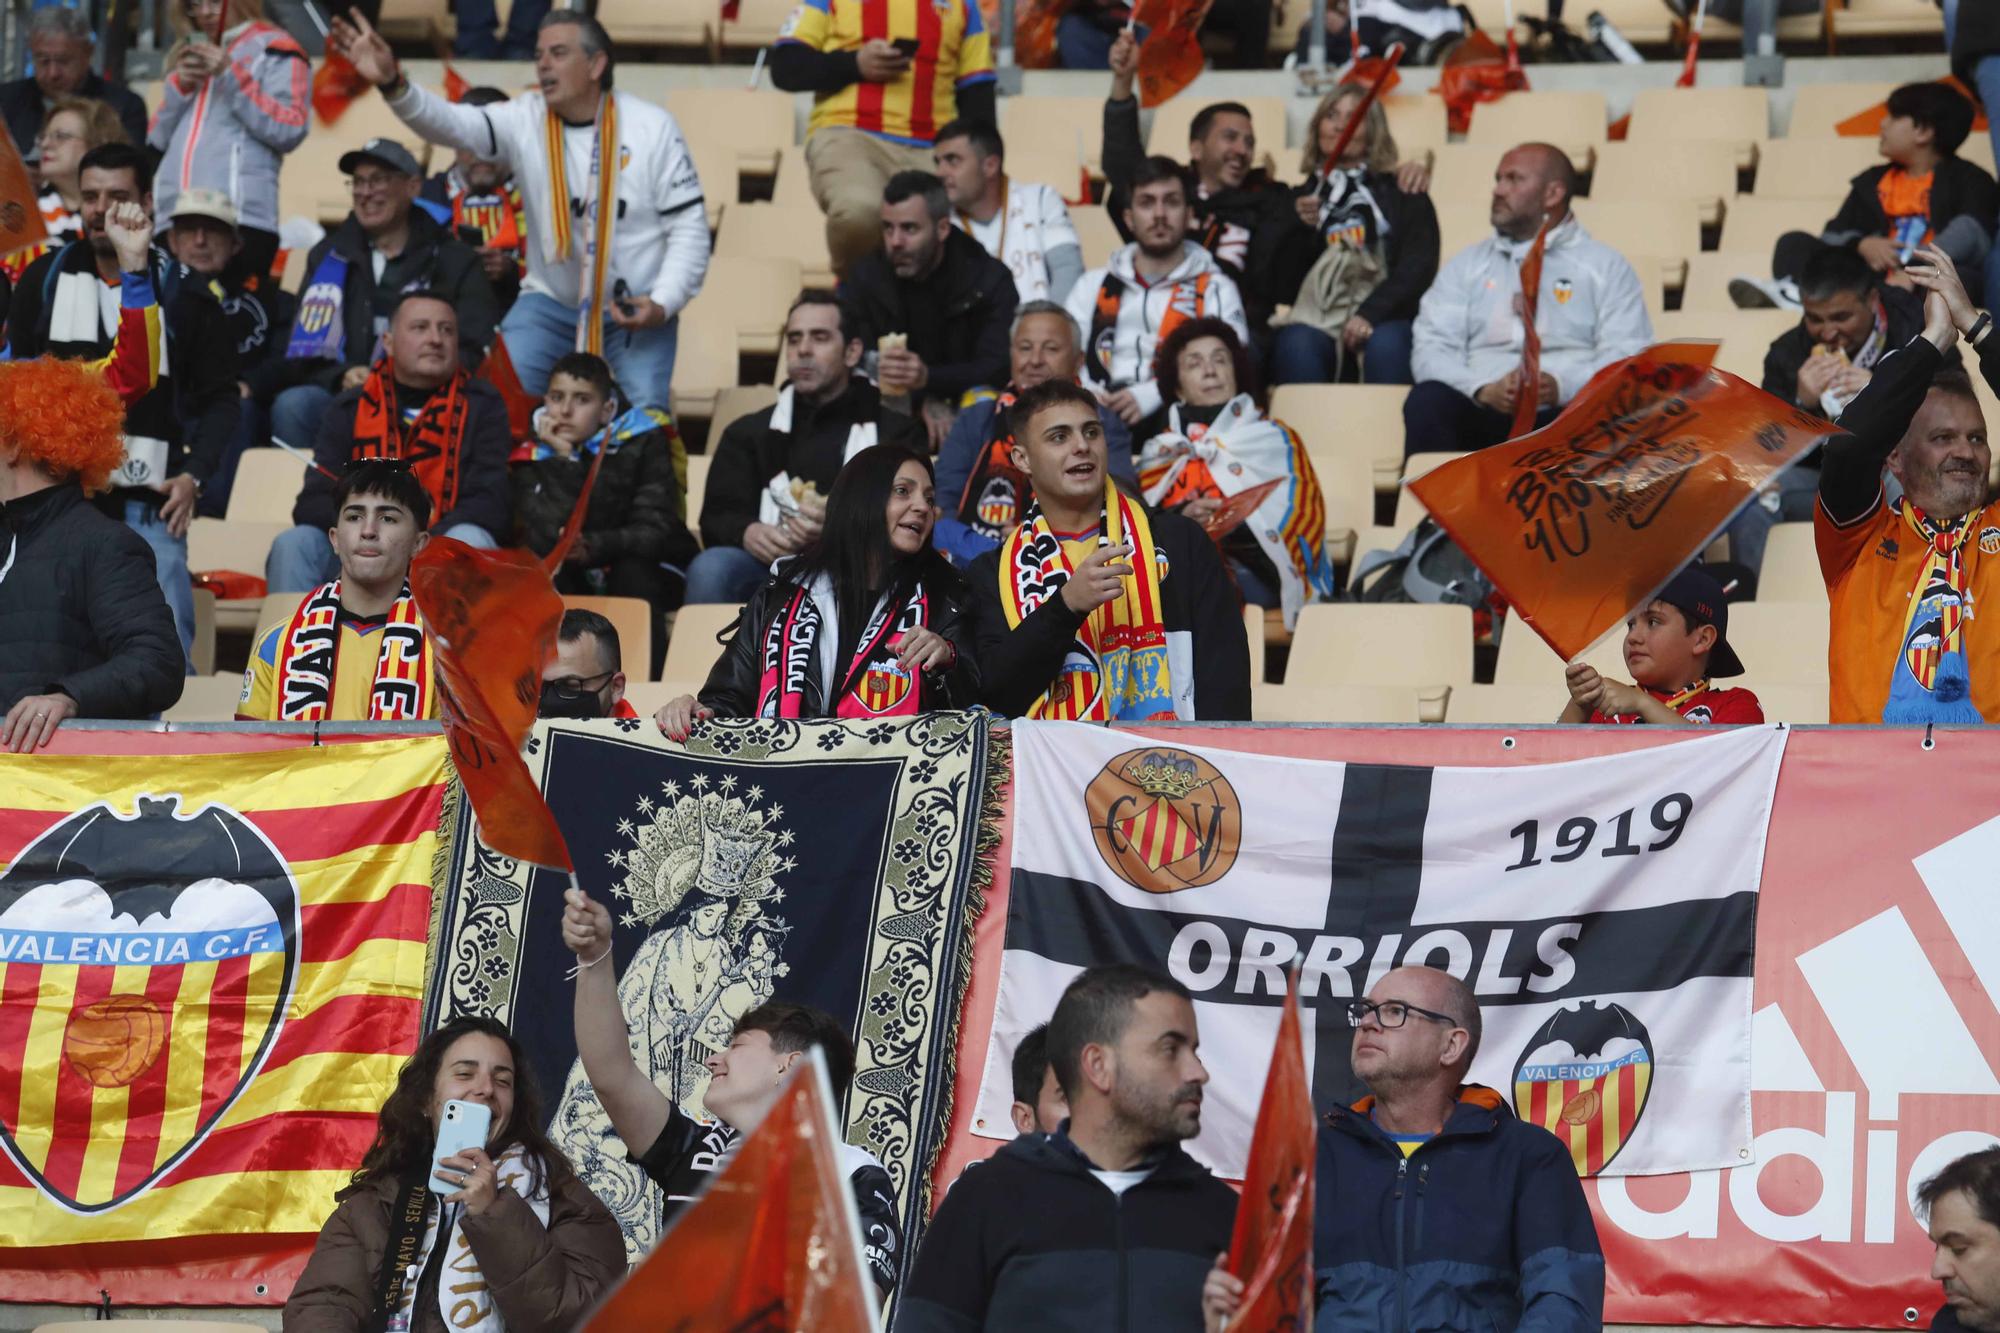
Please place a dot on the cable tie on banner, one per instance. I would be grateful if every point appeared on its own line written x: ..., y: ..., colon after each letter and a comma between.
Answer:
x: 1930, y: 741
x: 315, y: 743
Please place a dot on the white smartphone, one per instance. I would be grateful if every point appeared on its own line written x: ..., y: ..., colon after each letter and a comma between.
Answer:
x: 463, y: 1125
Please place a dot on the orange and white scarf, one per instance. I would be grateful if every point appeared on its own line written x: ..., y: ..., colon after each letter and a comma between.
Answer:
x: 309, y: 657
x: 601, y: 212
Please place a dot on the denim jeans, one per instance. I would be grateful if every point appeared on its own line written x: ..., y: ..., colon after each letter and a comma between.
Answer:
x: 478, y: 21
x: 1438, y: 418
x: 296, y: 413
x: 1304, y: 355
x: 541, y: 330
x: 302, y: 557
x: 251, y: 427
x: 727, y: 574
x: 170, y: 566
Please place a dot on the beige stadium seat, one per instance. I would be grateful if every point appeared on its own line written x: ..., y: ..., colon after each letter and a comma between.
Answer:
x: 1348, y: 483
x: 1096, y: 233
x: 693, y: 648
x: 267, y: 483
x: 1888, y: 18
x: 659, y: 22
x: 697, y: 482
x: 1171, y: 119
x: 1700, y: 170
x: 1573, y: 121
x: 1525, y: 660
x: 415, y: 20
x: 738, y: 401
x: 1754, y: 223
x: 1359, y: 421
x: 1807, y: 168
x: 648, y: 697
x: 1416, y: 121
x: 156, y: 1326
x: 793, y: 186
x: 1781, y: 643
x: 1978, y: 150
x: 756, y: 231
x: 1819, y: 107
x: 1052, y: 164
x: 1336, y: 703
x: 204, y: 698
x: 1796, y: 705
x: 1662, y: 231
x: 277, y: 608
x: 202, y: 650
x: 1461, y: 228
x: 1047, y: 119
x: 715, y: 167
x: 1740, y: 117
x: 1462, y: 177
x: 1709, y: 274
x: 755, y: 124
x: 311, y: 183
x: 756, y: 25
x: 1253, y: 633
x: 752, y: 294
x: 152, y: 92
x: 1746, y: 335
x: 632, y: 618
x: 705, y: 363
x: 235, y: 544
x: 1507, y: 705
x: 1791, y: 566
x: 1645, y: 22
x: 1381, y: 643
x: 1410, y: 510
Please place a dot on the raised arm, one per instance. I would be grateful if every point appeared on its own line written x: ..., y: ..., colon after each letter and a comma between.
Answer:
x: 638, y: 1110
x: 453, y: 124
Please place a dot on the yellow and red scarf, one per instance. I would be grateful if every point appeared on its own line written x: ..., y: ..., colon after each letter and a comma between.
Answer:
x: 1931, y: 680
x: 1116, y: 670
x: 603, y: 211
x: 496, y: 217
x: 873, y: 683
x: 432, y: 445
x: 309, y: 653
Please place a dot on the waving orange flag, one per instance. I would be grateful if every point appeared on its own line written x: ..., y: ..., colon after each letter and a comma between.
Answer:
x: 1271, y: 1249
x: 20, y: 213
x: 1584, y: 520
x: 1528, y: 391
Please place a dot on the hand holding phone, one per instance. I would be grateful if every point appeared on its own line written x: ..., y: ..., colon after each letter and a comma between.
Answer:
x: 462, y: 1125
x: 909, y: 46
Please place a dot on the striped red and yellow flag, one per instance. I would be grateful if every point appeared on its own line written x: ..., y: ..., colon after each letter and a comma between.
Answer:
x: 211, y: 969
x: 1590, y: 1105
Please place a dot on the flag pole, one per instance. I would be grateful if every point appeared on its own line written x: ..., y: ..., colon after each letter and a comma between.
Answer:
x: 1390, y: 59
x: 1686, y: 79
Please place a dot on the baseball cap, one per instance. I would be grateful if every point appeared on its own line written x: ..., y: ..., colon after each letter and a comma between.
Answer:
x: 385, y: 152
x: 1696, y: 595
x: 203, y: 203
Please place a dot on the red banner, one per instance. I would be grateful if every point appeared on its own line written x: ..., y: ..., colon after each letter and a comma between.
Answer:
x: 1271, y: 1249
x: 1864, y: 939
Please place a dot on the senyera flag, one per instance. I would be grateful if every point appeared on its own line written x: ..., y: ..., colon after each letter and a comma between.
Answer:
x: 1584, y: 520
x: 1271, y: 1249
x: 771, y: 1242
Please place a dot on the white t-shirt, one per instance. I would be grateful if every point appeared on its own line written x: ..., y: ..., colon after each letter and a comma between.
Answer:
x: 1021, y: 235
x: 1120, y: 1181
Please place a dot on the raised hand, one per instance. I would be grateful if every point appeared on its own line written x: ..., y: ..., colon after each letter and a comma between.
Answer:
x: 355, y: 38
x: 131, y: 234
x: 1932, y: 270
x: 1099, y: 579
x: 586, y: 926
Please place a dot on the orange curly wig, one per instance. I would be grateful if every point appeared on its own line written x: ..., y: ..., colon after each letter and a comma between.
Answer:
x: 63, y: 416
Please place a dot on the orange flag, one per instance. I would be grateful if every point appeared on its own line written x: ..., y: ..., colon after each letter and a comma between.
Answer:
x: 1035, y: 32
x: 1271, y: 1249
x: 771, y: 1242
x: 1527, y: 397
x: 1584, y: 520
x: 498, y: 370
x: 335, y: 85
x: 20, y: 212
x: 1171, y: 56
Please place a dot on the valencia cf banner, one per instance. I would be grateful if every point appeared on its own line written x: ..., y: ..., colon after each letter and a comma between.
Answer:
x: 211, y: 968
x: 1602, y: 910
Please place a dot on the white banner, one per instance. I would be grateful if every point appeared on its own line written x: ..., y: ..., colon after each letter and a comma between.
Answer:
x: 1603, y: 910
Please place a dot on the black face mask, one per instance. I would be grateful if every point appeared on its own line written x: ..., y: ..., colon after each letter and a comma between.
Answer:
x: 571, y: 703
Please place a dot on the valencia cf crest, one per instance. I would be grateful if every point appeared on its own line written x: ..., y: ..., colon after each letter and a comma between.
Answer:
x: 1165, y: 819
x: 884, y: 684
x: 146, y: 964
x: 1989, y: 541
x: 1563, y: 289
x: 1584, y: 1077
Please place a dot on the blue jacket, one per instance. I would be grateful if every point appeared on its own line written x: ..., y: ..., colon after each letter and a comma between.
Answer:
x: 1483, y: 1227
x: 966, y: 443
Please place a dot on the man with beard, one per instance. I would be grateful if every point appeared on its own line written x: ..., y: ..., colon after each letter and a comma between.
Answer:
x: 586, y: 677
x: 483, y: 199
x: 1904, y: 575
x: 1023, y: 225
x: 1961, y: 1206
x: 931, y: 303
x: 981, y: 495
x: 1510, y: 1241
x: 1106, y: 1223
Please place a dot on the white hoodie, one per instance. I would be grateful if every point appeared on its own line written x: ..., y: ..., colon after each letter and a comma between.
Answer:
x: 1127, y: 346
x: 1591, y: 312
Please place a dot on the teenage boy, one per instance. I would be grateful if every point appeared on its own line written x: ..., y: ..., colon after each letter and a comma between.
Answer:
x: 1674, y: 647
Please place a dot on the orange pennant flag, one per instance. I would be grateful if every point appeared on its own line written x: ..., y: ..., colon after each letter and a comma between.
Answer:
x: 498, y: 370
x: 1583, y: 521
x: 335, y: 85
x: 1035, y: 32
x: 20, y: 212
x: 1528, y: 391
x: 1271, y: 1248
x: 1171, y: 56
x: 771, y: 1242
x: 492, y: 617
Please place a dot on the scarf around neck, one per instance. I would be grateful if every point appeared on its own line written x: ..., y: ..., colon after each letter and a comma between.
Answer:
x: 1931, y: 680
x: 432, y: 445
x: 601, y: 210
x: 872, y: 683
x: 309, y: 653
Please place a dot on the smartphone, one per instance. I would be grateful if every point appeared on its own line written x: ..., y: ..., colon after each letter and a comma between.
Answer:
x: 909, y: 46
x: 463, y: 1125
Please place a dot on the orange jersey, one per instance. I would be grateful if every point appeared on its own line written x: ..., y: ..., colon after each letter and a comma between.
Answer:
x: 1906, y: 202
x: 1871, y: 568
x: 952, y: 51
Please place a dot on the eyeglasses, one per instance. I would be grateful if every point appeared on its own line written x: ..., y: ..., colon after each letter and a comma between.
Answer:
x: 58, y: 136
x: 580, y: 684
x: 1392, y: 1013
x: 370, y: 184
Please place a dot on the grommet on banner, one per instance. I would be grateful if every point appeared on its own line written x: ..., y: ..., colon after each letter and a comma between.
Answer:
x: 1930, y: 742
x: 1910, y: 1315
x: 1506, y: 742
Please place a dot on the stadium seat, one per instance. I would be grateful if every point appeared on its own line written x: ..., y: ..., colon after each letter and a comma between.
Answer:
x: 1573, y: 121
x: 277, y: 607
x: 1347, y: 482
x: 1410, y: 510
x: 1740, y: 117
x: 648, y: 697
x: 1646, y: 22
x: 1096, y: 233
x: 1507, y: 705
x: 632, y: 617
x: 693, y: 647
x: 1426, y: 646
x: 751, y: 294
x: 737, y: 401
x: 1978, y: 150
x: 1819, y: 107
x: 1709, y: 273
x: 1336, y: 703
x: 1746, y: 334
x: 1253, y: 631
x: 1699, y: 170
x: 793, y: 186
x: 705, y: 362
x: 1797, y: 168
x: 1887, y: 18
x: 266, y: 486
x: 715, y: 165
x: 1797, y: 705
x: 697, y: 482
x: 1171, y: 119
x: 659, y: 22
x: 1416, y: 122
x: 754, y: 231
x: 1791, y: 566
x: 155, y: 1326
x: 232, y: 544
x: 416, y: 20
x: 756, y: 124
x: 1657, y: 233
x: 1781, y: 643
x: 756, y: 25
x: 1049, y: 119
x: 1754, y: 223
x: 1525, y: 660
x: 1462, y: 177
x: 311, y: 183
x: 1054, y: 164
x: 205, y: 697
x: 1359, y: 421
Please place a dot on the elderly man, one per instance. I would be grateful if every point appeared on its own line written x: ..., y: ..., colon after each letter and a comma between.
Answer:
x: 1510, y: 1241
x: 1591, y: 311
x: 981, y: 495
x: 417, y: 405
x: 61, y: 43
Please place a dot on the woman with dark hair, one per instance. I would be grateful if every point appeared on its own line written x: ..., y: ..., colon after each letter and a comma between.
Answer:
x: 528, y: 1247
x: 1379, y: 254
x: 869, y: 621
x: 1218, y: 445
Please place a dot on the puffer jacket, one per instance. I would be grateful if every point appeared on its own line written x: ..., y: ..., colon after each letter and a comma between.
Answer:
x: 637, y: 509
x: 1483, y: 1227
x: 1591, y: 312
x: 81, y: 610
x: 736, y: 680
x: 542, y: 1279
x: 233, y: 132
x: 1118, y: 347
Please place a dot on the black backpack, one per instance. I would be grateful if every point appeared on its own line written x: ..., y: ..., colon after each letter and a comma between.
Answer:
x: 1426, y: 566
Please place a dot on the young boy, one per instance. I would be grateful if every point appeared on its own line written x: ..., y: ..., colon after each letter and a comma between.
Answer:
x: 1674, y: 646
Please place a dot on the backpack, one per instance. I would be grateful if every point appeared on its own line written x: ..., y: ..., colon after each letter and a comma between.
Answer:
x: 1426, y: 566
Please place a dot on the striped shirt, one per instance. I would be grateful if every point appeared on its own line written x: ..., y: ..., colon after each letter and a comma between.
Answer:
x: 953, y: 51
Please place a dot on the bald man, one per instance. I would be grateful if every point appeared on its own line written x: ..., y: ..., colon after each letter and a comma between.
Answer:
x: 1437, y: 1208
x: 1591, y: 311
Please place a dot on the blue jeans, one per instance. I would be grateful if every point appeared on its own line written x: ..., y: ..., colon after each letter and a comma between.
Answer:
x: 1791, y: 502
x: 1304, y: 355
x: 251, y: 429
x: 296, y: 413
x: 541, y: 330
x: 302, y: 557
x: 1081, y: 44
x: 726, y: 574
x: 478, y: 20
x: 170, y: 566
x: 1986, y: 81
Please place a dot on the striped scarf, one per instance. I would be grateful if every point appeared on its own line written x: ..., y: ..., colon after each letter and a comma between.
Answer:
x: 869, y: 687
x: 308, y: 657
x: 602, y: 212
x: 1931, y: 681
x: 1116, y: 670
x: 433, y: 445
